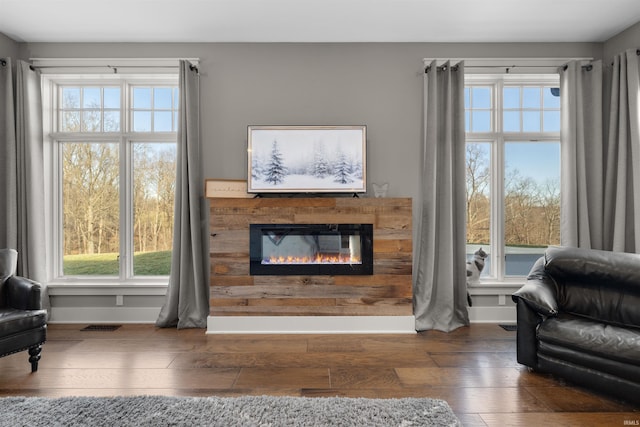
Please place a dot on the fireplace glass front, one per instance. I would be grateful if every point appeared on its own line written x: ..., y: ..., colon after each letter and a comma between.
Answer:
x: 311, y: 249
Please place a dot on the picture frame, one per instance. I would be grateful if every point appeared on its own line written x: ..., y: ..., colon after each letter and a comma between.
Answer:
x: 306, y: 159
x: 231, y: 188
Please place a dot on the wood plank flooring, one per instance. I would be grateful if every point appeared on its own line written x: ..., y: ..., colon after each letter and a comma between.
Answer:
x: 474, y: 369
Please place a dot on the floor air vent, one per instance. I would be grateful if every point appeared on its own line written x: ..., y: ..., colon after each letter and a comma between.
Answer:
x: 105, y: 328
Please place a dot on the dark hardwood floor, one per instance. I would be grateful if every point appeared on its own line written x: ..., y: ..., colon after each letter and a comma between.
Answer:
x: 474, y: 369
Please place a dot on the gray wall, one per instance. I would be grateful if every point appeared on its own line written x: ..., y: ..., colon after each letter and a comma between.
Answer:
x: 8, y: 47
x: 628, y: 39
x: 379, y: 85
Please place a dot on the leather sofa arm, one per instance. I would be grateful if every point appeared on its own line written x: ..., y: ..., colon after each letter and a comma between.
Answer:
x: 23, y: 293
x: 540, y: 291
x: 535, y: 301
x: 526, y: 335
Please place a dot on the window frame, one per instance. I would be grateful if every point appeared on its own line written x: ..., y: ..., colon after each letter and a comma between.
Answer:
x: 498, y: 141
x: 125, y: 138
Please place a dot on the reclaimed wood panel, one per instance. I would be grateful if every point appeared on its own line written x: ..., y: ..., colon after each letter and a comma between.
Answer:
x: 309, y: 291
x: 388, y: 292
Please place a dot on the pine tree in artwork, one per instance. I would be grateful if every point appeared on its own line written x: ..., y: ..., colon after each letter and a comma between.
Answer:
x: 321, y: 167
x: 356, y: 169
x: 256, y: 167
x: 342, y: 170
x: 275, y: 170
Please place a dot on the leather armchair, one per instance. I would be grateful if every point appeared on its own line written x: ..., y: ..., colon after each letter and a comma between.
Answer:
x: 23, y: 322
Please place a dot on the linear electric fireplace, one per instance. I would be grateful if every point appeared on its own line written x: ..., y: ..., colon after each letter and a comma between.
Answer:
x: 311, y: 249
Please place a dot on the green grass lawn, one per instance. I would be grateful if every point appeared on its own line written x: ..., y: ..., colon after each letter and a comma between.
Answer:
x: 144, y: 264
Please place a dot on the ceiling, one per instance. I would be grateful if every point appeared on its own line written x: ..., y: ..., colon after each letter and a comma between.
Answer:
x: 316, y: 20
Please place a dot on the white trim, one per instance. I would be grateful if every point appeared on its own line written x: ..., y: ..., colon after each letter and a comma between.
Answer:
x: 124, y: 138
x: 311, y: 324
x: 104, y: 314
x: 552, y: 78
x: 498, y: 139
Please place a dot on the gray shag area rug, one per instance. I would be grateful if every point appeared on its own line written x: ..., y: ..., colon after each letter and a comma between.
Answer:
x: 224, y: 411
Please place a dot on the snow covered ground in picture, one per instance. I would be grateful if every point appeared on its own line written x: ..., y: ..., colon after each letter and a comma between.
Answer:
x: 307, y: 159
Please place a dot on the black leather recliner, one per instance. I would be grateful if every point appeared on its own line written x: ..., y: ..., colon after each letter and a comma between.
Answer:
x: 579, y: 318
x: 23, y: 323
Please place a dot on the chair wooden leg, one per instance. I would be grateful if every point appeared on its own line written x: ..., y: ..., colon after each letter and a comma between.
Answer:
x: 34, y: 353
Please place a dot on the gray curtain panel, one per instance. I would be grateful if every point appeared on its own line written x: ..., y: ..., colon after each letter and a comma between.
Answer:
x: 582, y: 193
x: 187, y: 299
x: 22, y: 178
x: 622, y: 182
x: 8, y: 184
x: 440, y: 255
x: 30, y: 175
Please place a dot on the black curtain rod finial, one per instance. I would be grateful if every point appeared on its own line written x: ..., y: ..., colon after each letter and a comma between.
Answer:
x: 3, y: 62
x: 442, y: 68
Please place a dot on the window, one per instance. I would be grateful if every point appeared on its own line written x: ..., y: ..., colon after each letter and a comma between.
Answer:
x: 512, y: 170
x: 113, y: 157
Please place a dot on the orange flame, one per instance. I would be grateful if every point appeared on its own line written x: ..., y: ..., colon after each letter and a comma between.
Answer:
x: 318, y: 259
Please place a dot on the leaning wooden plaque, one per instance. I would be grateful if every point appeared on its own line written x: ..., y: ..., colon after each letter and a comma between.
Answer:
x: 231, y: 188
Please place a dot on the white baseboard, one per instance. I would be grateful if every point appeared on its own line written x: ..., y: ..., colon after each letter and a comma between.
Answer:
x: 311, y: 325
x: 274, y: 324
x: 104, y: 314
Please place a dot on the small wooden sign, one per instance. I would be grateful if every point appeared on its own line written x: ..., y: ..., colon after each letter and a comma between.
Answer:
x: 233, y: 188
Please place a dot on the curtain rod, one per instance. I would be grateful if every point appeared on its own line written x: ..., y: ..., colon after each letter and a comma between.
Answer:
x: 111, y: 67
x: 506, y: 68
x: 105, y: 66
x: 587, y: 67
x: 507, y: 64
x: 111, y: 63
x: 503, y: 61
x: 192, y: 67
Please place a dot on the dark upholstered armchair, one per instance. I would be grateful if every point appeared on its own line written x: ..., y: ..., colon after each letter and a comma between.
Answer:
x: 23, y: 323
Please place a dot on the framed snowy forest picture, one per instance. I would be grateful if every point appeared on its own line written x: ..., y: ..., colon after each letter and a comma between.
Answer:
x: 307, y: 159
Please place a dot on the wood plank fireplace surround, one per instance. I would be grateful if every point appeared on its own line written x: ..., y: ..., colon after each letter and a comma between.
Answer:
x: 376, y: 301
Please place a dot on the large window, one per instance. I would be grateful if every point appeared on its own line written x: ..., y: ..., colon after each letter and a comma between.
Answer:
x: 513, y: 170
x: 113, y: 167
